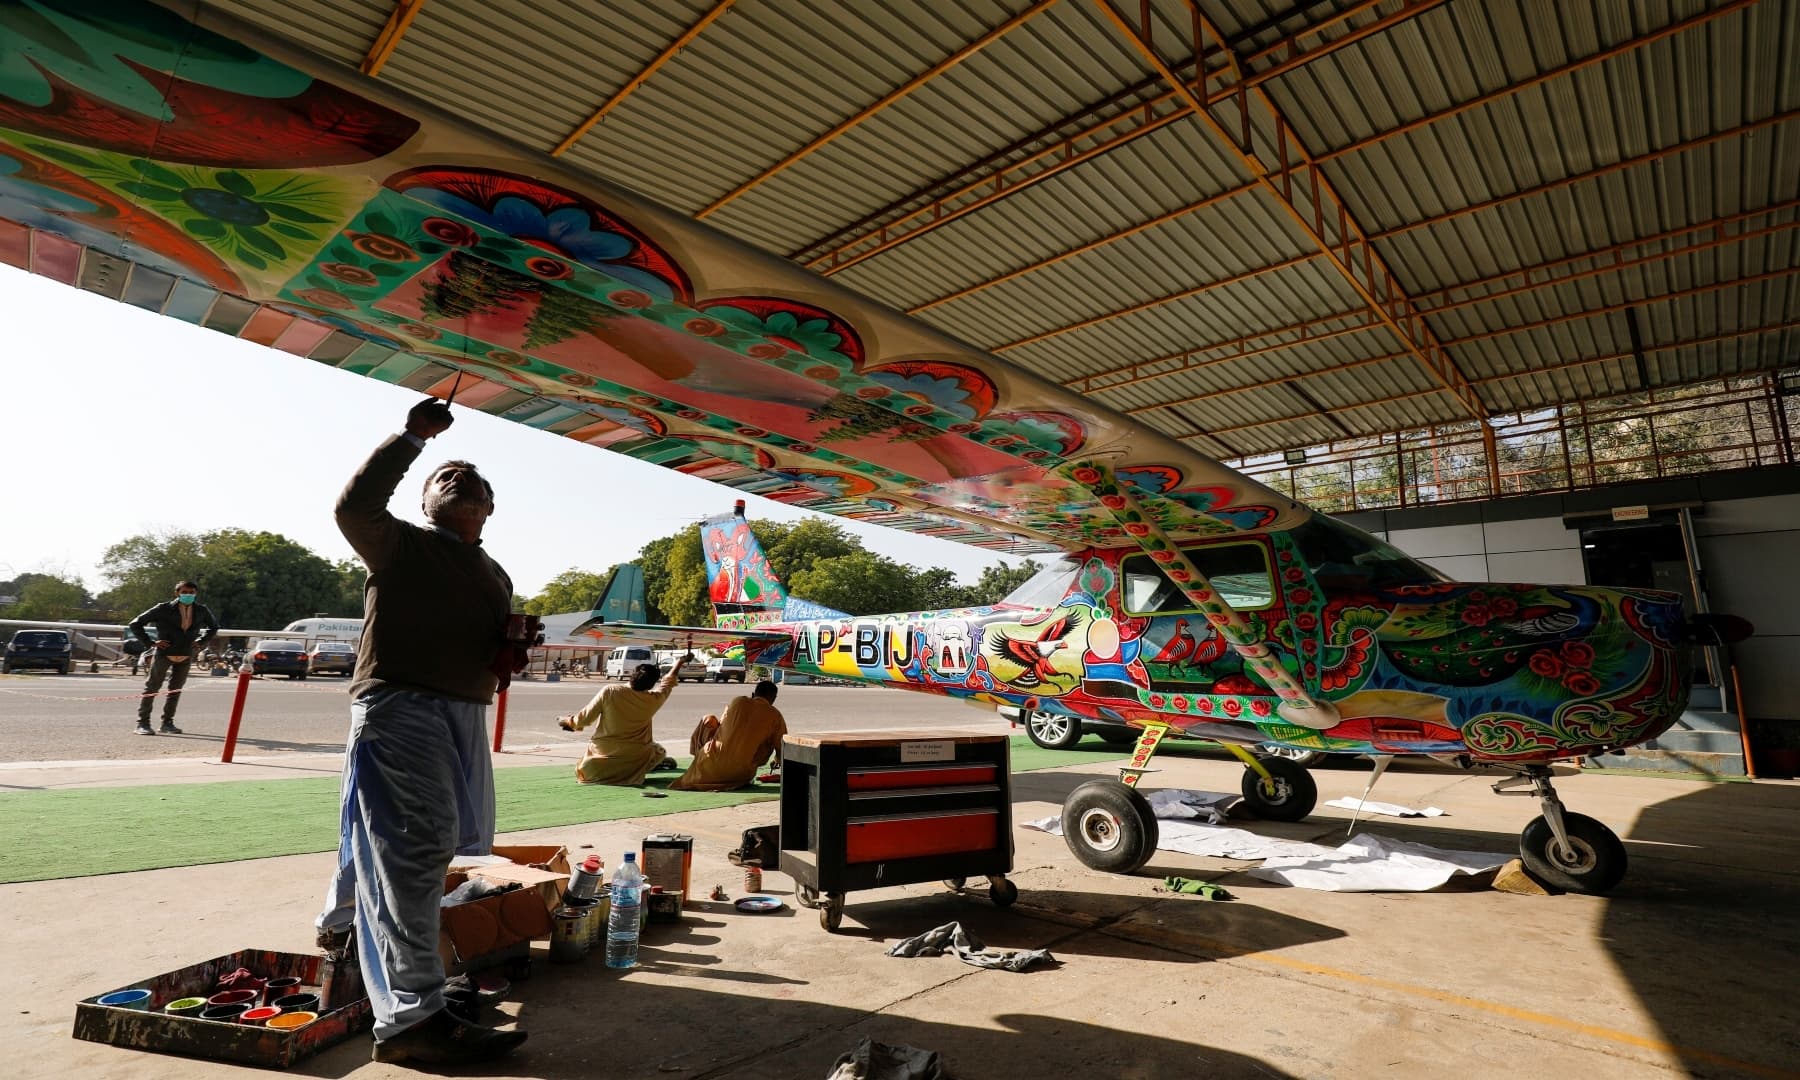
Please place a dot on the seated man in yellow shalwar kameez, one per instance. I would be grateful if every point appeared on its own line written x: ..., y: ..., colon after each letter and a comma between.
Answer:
x: 623, y: 751
x: 728, y: 752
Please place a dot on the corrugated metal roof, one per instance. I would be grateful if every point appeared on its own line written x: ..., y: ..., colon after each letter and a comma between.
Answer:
x: 1478, y: 193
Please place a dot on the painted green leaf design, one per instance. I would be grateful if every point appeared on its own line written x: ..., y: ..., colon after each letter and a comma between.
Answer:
x: 154, y: 192
x: 236, y: 183
x: 158, y: 174
x: 293, y: 213
x: 383, y: 269
x: 205, y: 228
x: 72, y: 157
x: 262, y: 242
x: 252, y: 260
x: 292, y: 231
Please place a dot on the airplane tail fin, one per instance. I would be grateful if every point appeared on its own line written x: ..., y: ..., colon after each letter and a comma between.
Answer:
x: 623, y: 598
x: 739, y: 580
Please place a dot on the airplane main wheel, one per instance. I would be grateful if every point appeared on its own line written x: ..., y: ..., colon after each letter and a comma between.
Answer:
x: 1053, y: 732
x: 1594, y: 864
x: 1109, y: 827
x: 1288, y: 795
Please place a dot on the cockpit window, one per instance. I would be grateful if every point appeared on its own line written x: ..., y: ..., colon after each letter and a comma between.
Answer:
x: 1341, y: 556
x: 1239, y: 573
x: 1048, y: 586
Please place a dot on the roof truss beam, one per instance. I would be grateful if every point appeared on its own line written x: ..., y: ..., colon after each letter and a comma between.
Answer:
x: 1345, y: 246
x: 682, y: 41
x: 399, y: 21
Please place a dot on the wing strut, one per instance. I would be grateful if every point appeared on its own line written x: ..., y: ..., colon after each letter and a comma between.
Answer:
x: 1297, y: 706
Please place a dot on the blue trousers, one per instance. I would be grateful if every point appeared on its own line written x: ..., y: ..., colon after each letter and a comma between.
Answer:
x: 418, y: 788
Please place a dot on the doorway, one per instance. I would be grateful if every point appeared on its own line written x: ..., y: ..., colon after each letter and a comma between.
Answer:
x: 1644, y: 555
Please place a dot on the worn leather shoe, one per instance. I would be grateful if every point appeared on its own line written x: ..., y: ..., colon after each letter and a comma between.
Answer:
x: 442, y: 1039
x: 169, y: 728
x: 144, y: 728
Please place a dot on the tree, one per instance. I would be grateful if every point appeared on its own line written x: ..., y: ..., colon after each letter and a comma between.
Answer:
x: 352, y: 577
x: 571, y: 590
x: 653, y: 561
x: 860, y: 583
x: 794, y: 549
x: 264, y: 580
x: 50, y: 598
x: 936, y: 589
x: 144, y: 568
x: 998, y: 580
x: 684, y: 600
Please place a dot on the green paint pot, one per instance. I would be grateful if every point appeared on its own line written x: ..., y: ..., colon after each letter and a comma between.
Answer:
x: 188, y: 1006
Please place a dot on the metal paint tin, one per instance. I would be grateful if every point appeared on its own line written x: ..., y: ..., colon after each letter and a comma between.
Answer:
x: 569, y: 938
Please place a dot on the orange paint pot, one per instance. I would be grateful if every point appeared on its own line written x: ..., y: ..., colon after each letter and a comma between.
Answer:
x: 290, y: 1021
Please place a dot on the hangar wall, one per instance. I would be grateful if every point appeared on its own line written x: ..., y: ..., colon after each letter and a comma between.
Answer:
x: 1746, y: 522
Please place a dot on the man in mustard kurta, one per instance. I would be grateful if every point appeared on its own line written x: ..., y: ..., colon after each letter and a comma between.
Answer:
x: 728, y: 752
x: 623, y: 751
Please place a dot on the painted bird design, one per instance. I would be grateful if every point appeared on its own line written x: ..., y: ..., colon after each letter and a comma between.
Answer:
x: 1542, y: 621
x: 1180, y: 649
x: 1033, y: 654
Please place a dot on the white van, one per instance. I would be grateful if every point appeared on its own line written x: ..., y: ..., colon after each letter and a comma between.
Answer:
x: 324, y: 629
x: 623, y: 661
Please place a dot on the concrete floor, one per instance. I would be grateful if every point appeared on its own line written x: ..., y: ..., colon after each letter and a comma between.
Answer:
x: 1687, y: 969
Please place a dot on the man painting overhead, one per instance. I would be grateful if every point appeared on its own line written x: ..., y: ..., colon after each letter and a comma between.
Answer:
x: 623, y: 752
x: 418, y: 782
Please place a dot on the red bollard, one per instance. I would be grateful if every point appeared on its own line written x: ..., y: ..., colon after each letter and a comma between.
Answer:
x: 499, y: 720
x: 237, y: 715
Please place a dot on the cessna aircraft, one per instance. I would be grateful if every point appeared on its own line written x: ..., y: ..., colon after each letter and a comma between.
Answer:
x: 182, y: 161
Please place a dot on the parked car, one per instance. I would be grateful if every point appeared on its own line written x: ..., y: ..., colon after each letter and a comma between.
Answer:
x: 1054, y: 732
x: 723, y: 668
x: 39, y: 649
x: 329, y: 657
x: 280, y: 658
x: 623, y: 661
x: 694, y: 669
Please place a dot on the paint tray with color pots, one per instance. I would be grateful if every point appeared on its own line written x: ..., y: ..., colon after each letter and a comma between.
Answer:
x: 343, y: 1012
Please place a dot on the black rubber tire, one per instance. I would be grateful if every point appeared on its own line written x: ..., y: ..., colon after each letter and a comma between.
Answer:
x: 65, y: 669
x: 1052, y: 732
x: 1003, y: 893
x: 831, y: 913
x: 1600, y: 856
x: 740, y: 677
x: 806, y: 896
x: 955, y: 884
x: 1306, y: 759
x: 1294, y: 796
x: 1114, y: 736
x: 1109, y: 827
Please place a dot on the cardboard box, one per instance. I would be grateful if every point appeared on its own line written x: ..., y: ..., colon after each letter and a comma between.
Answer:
x: 492, y: 924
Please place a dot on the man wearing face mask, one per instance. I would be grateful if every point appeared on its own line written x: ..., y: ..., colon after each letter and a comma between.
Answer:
x: 418, y: 783
x: 182, y: 626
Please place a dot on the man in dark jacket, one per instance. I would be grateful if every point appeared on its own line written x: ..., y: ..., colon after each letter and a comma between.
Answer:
x: 418, y: 782
x: 182, y: 626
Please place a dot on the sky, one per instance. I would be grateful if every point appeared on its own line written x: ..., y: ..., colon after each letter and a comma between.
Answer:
x: 119, y: 421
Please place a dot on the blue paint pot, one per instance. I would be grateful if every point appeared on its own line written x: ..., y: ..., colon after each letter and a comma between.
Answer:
x: 127, y: 999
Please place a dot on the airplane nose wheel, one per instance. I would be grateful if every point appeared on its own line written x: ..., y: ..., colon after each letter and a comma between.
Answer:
x: 1571, y: 852
x: 1109, y: 827
x: 1289, y: 794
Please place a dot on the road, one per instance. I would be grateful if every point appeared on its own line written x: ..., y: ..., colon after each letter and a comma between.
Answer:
x: 90, y: 717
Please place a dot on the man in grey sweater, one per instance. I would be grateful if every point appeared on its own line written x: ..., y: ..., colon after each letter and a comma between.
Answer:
x: 418, y: 783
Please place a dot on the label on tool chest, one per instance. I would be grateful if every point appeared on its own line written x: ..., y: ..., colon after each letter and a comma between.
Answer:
x: 936, y: 750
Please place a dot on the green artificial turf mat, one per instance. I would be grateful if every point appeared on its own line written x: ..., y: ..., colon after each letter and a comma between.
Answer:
x: 88, y: 831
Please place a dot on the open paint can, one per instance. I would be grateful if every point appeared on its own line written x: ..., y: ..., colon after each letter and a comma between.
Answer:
x: 259, y: 1017
x: 290, y: 1021
x: 280, y: 988
x: 127, y: 999
x: 187, y: 1006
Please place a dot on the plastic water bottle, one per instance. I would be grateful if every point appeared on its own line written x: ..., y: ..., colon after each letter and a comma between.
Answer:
x: 622, y: 922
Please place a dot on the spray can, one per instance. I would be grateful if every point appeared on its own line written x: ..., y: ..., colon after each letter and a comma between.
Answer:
x: 753, y: 876
x: 585, y: 882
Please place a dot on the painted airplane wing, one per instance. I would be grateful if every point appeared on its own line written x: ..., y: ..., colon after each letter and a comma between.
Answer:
x: 305, y: 207
x: 603, y: 633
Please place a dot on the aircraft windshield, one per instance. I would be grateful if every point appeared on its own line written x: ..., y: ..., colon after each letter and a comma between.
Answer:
x: 1343, y: 557
x: 1046, y: 587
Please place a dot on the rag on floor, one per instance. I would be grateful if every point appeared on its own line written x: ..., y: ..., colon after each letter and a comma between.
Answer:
x: 952, y: 938
x: 1205, y: 890
x: 879, y: 1061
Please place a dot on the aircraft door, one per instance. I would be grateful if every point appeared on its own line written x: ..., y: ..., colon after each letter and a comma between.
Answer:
x: 1181, y: 651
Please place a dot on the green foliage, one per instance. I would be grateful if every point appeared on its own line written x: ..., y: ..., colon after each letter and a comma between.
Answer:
x: 860, y: 583
x: 683, y: 599
x: 253, y: 580
x: 998, y: 580
x: 45, y: 596
x: 572, y: 590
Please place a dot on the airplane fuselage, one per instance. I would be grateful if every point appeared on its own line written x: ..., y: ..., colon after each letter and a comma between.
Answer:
x: 1408, y: 662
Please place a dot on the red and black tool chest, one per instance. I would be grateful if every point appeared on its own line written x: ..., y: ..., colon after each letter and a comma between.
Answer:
x: 861, y: 810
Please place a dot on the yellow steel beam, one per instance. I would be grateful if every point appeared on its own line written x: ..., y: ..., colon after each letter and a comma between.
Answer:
x: 399, y: 21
